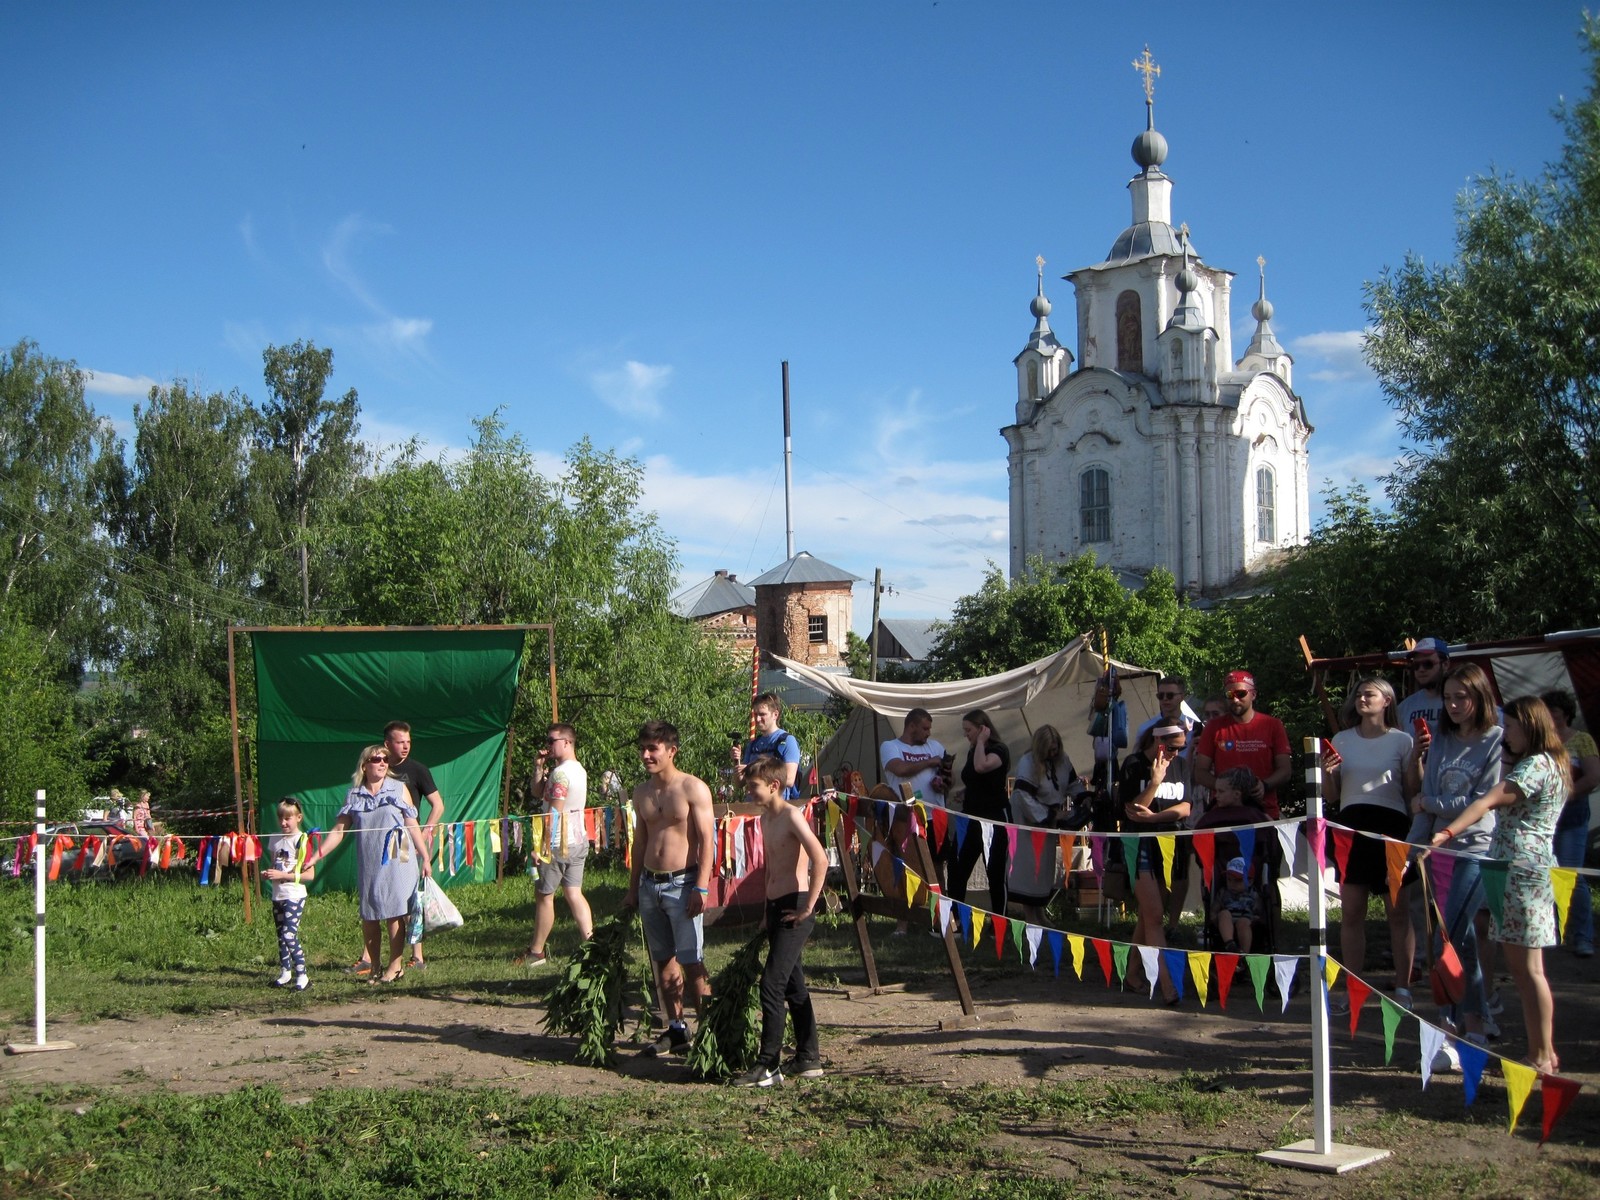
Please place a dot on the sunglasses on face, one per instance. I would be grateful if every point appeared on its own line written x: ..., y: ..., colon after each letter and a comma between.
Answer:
x: 1240, y: 695
x: 383, y: 758
x: 1169, y: 695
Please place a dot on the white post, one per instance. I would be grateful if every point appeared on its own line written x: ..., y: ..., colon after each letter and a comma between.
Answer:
x: 39, y: 858
x: 38, y: 917
x: 1321, y: 1100
x: 1319, y: 1152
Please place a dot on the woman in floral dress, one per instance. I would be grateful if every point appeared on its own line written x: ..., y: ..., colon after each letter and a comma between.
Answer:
x: 1528, y: 801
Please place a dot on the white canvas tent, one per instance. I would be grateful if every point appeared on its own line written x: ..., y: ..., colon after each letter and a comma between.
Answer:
x: 1052, y: 691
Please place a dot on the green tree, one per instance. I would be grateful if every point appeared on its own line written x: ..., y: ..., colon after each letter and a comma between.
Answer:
x: 1493, y: 365
x: 40, y: 746
x: 1005, y: 624
x: 55, y: 454
x: 187, y: 519
x: 310, y: 458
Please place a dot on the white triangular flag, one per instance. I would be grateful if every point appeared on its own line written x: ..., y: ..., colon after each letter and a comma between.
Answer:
x: 988, y: 838
x: 1035, y: 936
x: 1283, y: 966
x: 1287, y: 838
x: 1149, y: 956
x: 1432, y: 1039
x: 946, y: 911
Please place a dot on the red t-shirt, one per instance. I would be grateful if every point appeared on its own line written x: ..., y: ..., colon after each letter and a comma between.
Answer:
x: 1255, y: 744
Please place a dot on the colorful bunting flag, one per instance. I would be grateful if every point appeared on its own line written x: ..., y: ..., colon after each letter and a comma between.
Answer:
x: 1258, y: 965
x: 1432, y: 1040
x: 1357, y: 990
x: 1395, y: 854
x: 1102, y: 950
x: 1075, y: 941
x: 1226, y: 965
x: 1167, y: 844
x: 1562, y: 881
x: 1493, y: 874
x: 1555, y: 1097
x: 1474, y: 1058
x: 1519, y: 1085
x: 1205, y: 849
x: 1284, y: 966
x: 1200, y: 969
x: 1393, y: 1014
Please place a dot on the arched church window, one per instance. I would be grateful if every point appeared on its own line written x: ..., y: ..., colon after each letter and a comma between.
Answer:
x: 1130, y: 333
x: 1094, y: 504
x: 1266, y: 505
x: 1033, y: 380
x: 1177, y: 356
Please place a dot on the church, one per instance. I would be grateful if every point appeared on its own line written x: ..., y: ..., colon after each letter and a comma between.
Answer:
x: 1156, y: 448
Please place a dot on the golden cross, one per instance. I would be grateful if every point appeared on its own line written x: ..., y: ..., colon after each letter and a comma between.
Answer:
x: 1261, y: 262
x: 1146, y: 66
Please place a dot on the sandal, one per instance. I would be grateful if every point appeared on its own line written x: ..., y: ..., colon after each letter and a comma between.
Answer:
x: 361, y: 968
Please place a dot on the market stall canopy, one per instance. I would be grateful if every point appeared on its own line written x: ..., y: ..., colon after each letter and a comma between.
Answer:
x: 1056, y: 690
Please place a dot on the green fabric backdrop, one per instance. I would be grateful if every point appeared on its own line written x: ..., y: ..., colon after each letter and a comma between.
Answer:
x: 322, y: 696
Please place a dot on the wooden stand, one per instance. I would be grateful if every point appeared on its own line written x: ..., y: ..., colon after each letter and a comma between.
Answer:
x: 862, y: 905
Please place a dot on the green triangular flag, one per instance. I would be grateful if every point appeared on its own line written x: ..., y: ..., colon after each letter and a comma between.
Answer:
x: 1130, y: 852
x: 1018, y: 933
x: 1493, y: 873
x: 1119, y: 956
x: 1259, y: 965
x: 1392, y: 1014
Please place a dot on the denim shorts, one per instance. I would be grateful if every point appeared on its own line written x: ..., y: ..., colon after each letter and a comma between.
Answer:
x: 669, y: 930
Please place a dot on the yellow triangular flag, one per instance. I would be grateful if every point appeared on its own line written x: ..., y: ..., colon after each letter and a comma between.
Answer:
x: 1200, y: 972
x: 912, y: 884
x: 1168, y: 845
x: 1330, y: 968
x: 1562, y: 881
x: 1519, y: 1085
x: 1075, y: 944
x: 977, y: 925
x: 834, y: 814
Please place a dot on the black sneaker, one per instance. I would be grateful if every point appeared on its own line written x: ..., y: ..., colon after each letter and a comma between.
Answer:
x: 674, y: 1041
x: 804, y: 1068
x: 759, y: 1076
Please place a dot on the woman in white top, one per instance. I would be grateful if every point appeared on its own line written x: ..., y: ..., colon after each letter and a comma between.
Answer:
x: 1044, y: 782
x: 1369, y: 782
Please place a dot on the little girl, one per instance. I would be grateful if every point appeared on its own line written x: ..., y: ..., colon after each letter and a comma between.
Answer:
x: 286, y: 852
x: 1237, y: 908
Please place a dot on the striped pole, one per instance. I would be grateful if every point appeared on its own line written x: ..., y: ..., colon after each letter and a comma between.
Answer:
x: 1320, y: 1152
x: 39, y: 847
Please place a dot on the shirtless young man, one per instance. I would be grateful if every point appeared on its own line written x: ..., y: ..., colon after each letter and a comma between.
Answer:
x: 793, y: 889
x: 674, y: 851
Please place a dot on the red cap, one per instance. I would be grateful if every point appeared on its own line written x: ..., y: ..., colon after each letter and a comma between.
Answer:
x: 1240, y: 679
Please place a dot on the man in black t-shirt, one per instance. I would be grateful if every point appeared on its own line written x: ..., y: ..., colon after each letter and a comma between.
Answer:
x: 419, y: 782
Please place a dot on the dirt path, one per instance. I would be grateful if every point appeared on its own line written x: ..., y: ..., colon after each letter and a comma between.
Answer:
x: 1031, y: 1028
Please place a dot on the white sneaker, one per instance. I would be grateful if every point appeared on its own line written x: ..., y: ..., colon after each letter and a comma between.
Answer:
x: 1496, y: 1005
x: 1446, y: 1059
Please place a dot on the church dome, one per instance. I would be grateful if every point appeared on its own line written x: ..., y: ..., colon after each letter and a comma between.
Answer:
x: 1188, y: 281
x: 1039, y: 306
x: 1261, y: 310
x: 1149, y: 149
x: 1144, y: 239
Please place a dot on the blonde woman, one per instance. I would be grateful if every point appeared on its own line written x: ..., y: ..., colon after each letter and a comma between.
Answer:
x: 390, y: 854
x: 1045, y: 782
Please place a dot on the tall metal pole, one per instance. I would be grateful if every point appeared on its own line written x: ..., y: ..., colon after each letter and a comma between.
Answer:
x: 1321, y: 1056
x: 788, y: 472
x: 877, y: 591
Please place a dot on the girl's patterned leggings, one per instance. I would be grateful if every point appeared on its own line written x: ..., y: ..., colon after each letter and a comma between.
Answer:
x: 286, y: 915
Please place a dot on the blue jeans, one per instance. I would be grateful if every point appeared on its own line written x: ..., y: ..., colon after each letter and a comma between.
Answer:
x: 668, y: 928
x: 1570, y: 845
x: 1460, y: 907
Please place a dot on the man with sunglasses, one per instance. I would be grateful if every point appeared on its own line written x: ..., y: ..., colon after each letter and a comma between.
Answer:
x: 1242, y: 737
x: 1172, y: 695
x: 564, y: 788
x: 1429, y: 660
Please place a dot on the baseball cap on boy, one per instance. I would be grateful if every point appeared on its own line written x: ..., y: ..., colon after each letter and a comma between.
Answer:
x: 1237, y: 866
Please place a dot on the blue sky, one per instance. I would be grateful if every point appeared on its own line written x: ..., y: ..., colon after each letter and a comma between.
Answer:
x: 618, y: 219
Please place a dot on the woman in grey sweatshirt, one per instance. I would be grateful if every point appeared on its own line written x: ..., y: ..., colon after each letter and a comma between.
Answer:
x: 1462, y: 763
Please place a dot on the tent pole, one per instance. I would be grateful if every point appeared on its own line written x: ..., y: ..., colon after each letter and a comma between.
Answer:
x: 238, y: 777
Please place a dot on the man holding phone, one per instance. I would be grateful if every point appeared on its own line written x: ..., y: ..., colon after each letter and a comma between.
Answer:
x: 1429, y: 659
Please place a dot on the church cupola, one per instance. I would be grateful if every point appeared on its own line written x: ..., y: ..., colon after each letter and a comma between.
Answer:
x: 1188, y: 346
x: 1151, y: 231
x: 1265, y: 353
x: 1044, y: 361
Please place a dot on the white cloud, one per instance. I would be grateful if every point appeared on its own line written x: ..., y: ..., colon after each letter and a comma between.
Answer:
x: 109, y: 383
x: 1331, y: 357
x: 390, y: 334
x: 633, y: 389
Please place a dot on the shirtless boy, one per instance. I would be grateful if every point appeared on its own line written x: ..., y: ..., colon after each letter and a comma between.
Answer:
x: 793, y: 888
x: 674, y: 851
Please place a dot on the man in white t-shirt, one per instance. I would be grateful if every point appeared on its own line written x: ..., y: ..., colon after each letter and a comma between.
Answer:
x: 564, y: 788
x: 912, y: 760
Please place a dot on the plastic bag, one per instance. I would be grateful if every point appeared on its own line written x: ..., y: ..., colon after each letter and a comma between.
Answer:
x: 438, y: 913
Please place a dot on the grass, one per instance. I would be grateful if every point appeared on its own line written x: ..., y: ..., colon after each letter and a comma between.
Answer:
x: 850, y: 1138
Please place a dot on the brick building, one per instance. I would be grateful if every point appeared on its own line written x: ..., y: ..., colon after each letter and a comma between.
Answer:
x: 803, y: 610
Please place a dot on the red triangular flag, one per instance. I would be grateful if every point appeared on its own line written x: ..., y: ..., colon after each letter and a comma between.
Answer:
x: 1038, y: 849
x: 998, y: 924
x: 1205, y: 848
x: 1354, y: 988
x: 1224, y: 965
x: 1555, y: 1097
x: 1102, y: 948
x: 940, y: 821
x: 1342, y: 839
